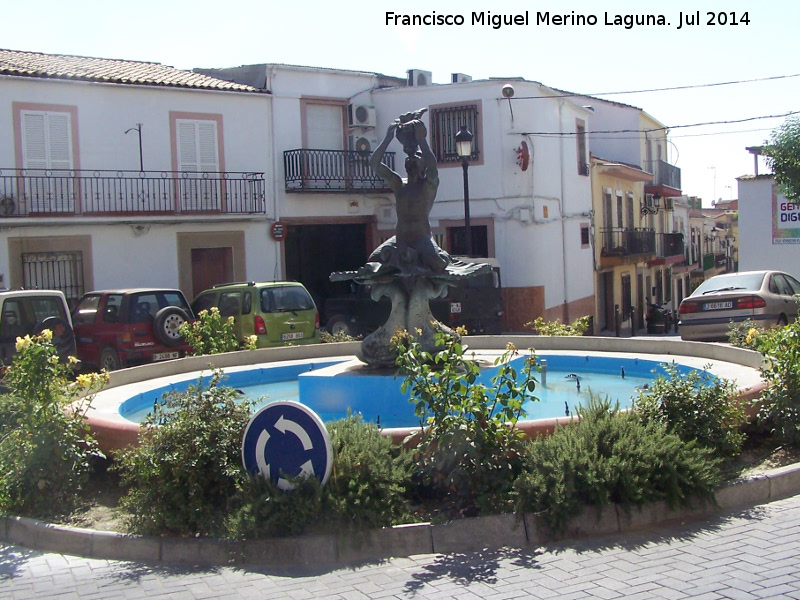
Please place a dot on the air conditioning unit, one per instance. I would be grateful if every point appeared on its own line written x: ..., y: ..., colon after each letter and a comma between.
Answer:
x: 460, y: 78
x: 362, y: 143
x: 419, y: 78
x: 361, y: 115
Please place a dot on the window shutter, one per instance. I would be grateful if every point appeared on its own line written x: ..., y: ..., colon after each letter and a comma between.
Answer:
x: 197, y: 146
x: 47, y: 140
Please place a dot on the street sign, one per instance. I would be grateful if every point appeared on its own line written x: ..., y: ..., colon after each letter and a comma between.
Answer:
x: 287, y: 439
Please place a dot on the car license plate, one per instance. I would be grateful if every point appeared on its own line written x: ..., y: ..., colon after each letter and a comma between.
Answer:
x: 717, y: 305
x: 455, y: 308
x: 165, y: 356
x: 292, y: 336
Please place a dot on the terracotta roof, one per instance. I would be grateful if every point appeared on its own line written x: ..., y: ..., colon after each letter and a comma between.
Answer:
x: 107, y: 70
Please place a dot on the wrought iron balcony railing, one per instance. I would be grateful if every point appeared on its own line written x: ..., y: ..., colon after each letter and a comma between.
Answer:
x: 669, y: 244
x: 33, y: 193
x: 664, y: 174
x: 332, y: 171
x: 625, y: 242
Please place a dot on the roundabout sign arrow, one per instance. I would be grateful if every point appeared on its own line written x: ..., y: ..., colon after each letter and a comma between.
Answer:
x: 287, y: 439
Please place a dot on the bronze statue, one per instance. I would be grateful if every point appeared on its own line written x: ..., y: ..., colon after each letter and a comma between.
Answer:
x: 409, y: 268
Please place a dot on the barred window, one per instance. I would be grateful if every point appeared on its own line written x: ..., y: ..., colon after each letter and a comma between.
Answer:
x: 445, y: 122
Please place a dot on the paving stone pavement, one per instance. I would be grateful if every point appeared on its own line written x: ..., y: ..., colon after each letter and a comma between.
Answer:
x: 739, y: 555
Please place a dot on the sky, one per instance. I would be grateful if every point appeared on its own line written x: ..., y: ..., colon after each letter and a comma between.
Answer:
x: 591, y: 59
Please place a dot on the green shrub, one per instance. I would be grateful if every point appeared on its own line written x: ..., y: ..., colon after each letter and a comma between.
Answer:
x: 326, y: 337
x: 366, y: 490
x: 468, y: 455
x: 746, y: 334
x: 542, y: 327
x: 695, y: 406
x: 46, y: 451
x: 608, y: 456
x: 211, y: 334
x: 780, y: 400
x: 188, y: 466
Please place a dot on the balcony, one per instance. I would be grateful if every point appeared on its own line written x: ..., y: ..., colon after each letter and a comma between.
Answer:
x: 622, y: 246
x: 332, y: 171
x: 669, y: 249
x: 40, y: 193
x: 665, y: 175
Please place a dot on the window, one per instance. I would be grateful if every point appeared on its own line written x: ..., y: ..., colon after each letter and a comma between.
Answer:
x: 445, y: 122
x: 584, y: 236
x: 580, y: 138
x: 46, y: 138
x: 197, y: 154
x: 457, y: 240
x: 54, y: 271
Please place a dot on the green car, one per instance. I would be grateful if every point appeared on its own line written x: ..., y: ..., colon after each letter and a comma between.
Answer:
x: 279, y: 313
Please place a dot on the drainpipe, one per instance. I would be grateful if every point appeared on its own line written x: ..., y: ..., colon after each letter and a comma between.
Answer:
x: 276, y: 166
x: 562, y: 208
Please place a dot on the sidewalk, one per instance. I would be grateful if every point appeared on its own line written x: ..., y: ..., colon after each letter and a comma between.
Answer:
x: 740, y: 554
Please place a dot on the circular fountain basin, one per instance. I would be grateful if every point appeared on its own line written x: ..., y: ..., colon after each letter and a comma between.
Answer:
x: 337, y: 382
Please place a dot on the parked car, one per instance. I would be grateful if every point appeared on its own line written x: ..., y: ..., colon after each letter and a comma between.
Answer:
x: 277, y: 312
x: 124, y: 327
x: 476, y: 303
x: 767, y: 297
x: 27, y: 312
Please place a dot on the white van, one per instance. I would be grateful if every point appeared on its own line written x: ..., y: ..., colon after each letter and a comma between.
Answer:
x: 28, y: 312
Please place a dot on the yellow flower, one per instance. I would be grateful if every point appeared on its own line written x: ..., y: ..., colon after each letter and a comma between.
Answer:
x: 748, y: 339
x: 73, y: 360
x: 84, y: 380
x: 46, y: 335
x: 230, y: 320
x: 752, y: 332
x: 22, y: 343
x: 214, y: 310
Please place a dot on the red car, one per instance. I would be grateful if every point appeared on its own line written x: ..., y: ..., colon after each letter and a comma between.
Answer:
x: 120, y: 328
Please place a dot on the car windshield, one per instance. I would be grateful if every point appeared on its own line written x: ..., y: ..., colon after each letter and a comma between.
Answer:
x: 283, y: 299
x: 739, y: 281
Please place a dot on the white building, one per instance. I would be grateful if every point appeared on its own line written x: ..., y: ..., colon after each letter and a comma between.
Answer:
x: 769, y: 232
x: 118, y: 173
x: 529, y: 191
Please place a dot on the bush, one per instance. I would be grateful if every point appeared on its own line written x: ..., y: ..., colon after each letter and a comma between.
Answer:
x: 608, y: 456
x: 210, y: 334
x: 366, y: 490
x: 542, y: 327
x: 695, y: 406
x: 746, y: 334
x: 468, y: 455
x: 187, y: 469
x: 326, y: 337
x: 780, y: 400
x: 46, y: 451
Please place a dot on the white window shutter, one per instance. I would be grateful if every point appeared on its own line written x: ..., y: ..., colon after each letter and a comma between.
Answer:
x: 207, y: 146
x: 187, y: 147
x: 34, y: 141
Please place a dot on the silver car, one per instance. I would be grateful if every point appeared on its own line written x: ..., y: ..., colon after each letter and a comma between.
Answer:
x: 767, y: 297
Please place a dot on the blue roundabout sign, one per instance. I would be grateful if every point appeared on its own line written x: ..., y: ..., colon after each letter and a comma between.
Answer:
x: 287, y: 439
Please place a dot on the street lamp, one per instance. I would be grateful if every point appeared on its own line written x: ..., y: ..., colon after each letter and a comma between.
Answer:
x: 652, y: 209
x: 464, y: 150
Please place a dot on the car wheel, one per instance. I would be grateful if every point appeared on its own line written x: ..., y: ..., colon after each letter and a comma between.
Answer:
x: 166, y: 325
x: 782, y: 321
x: 109, y: 359
x: 338, y: 325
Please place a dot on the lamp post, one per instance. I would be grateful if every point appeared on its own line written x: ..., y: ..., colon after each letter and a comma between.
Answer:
x: 138, y: 129
x: 464, y: 149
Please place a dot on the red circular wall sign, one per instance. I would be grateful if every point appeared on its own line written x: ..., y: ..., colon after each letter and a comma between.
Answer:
x: 278, y: 231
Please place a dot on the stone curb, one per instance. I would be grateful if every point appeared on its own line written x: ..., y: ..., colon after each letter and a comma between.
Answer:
x: 463, y: 535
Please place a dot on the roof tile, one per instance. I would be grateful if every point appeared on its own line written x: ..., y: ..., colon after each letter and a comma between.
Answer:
x: 60, y: 66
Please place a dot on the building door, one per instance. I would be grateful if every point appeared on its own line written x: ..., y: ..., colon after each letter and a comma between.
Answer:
x: 640, y: 301
x: 608, y: 299
x: 313, y: 252
x: 211, y: 266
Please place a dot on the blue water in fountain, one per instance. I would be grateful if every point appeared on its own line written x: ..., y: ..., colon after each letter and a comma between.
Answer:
x: 335, y: 387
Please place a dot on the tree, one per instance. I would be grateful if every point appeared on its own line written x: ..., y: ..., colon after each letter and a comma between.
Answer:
x: 783, y: 157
